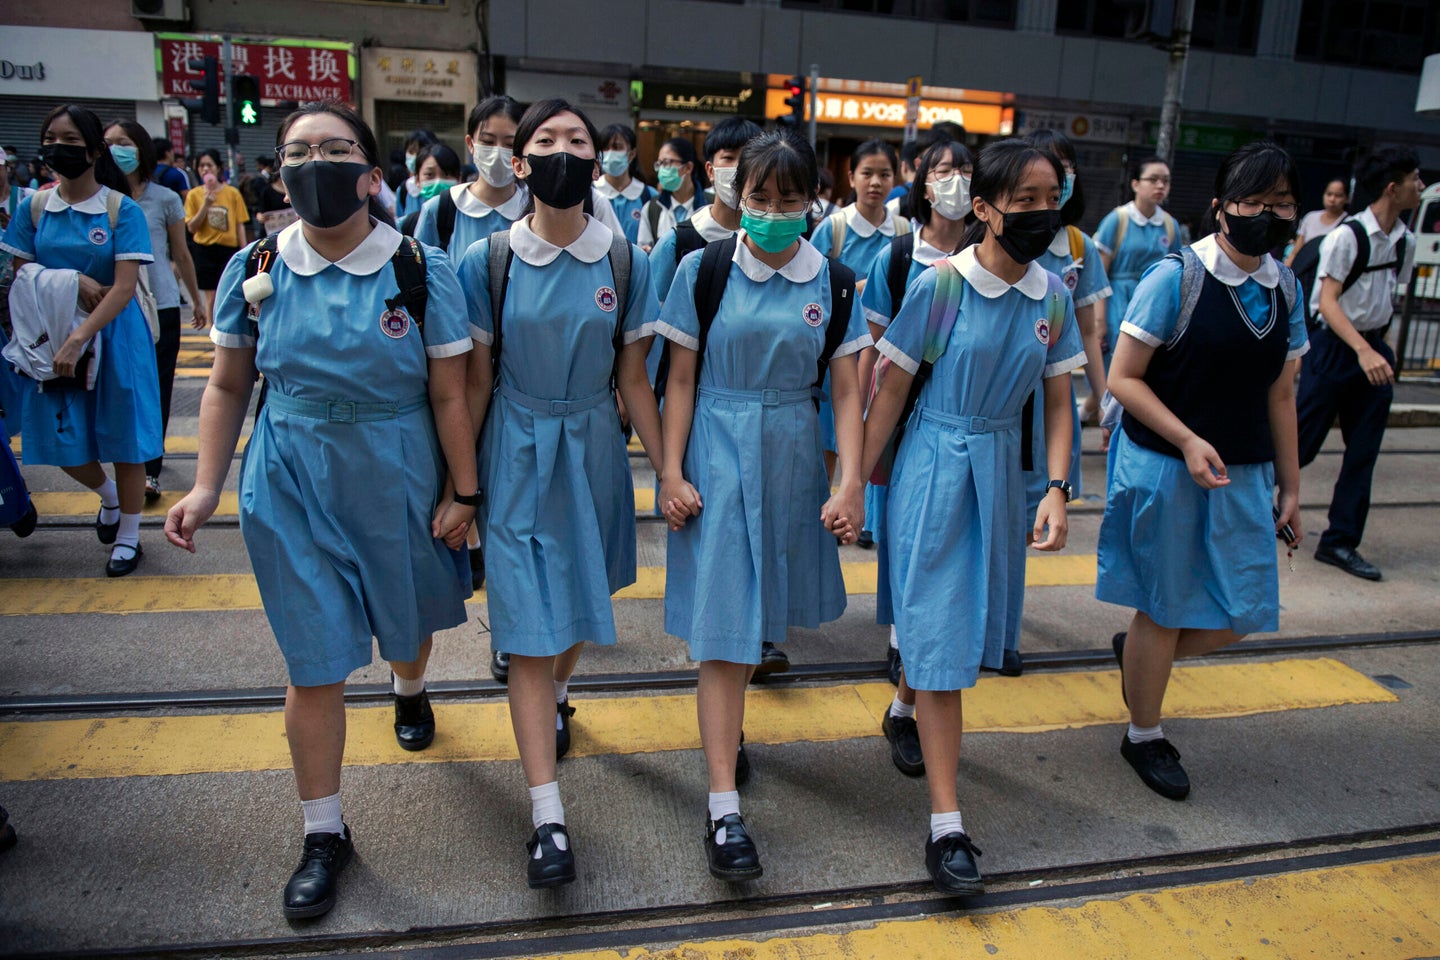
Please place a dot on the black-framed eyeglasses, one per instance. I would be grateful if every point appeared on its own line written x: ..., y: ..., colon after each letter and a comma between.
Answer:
x: 292, y: 153
x: 1253, y: 208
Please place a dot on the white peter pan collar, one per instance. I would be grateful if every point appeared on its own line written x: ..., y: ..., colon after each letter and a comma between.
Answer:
x: 1060, y: 246
x: 708, y: 228
x: 95, y: 203
x: 631, y: 192
x: 372, y: 253
x: 1140, y: 220
x: 864, y: 228
x: 472, y: 206
x: 802, y: 268
x: 1227, y: 271
x: 1033, y: 285
x: 591, y: 246
x: 925, y: 254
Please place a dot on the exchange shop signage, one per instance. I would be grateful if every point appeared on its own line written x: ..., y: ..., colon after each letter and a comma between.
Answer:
x: 302, y: 70
x: 743, y: 99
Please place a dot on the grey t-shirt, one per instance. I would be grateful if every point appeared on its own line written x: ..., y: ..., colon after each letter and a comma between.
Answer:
x: 162, y: 208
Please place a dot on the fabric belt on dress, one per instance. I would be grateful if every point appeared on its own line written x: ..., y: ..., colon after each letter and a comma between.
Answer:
x: 345, y: 411
x: 970, y: 424
x: 554, y: 408
x: 768, y: 398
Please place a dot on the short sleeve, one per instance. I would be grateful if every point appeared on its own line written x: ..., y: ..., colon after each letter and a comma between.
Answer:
x: 1092, y: 284
x: 605, y: 213
x: 427, y: 227
x: 1105, y: 233
x: 678, y: 321
x: 641, y: 308
x: 1155, y: 307
x: 132, y: 233
x: 662, y: 265
x: 1337, y: 255
x: 1299, y: 344
x: 193, y: 201
x: 824, y: 235
x: 19, y: 237
x: 643, y: 236
x: 1065, y: 352
x: 475, y: 282
x: 857, y: 331
x: 904, y: 340
x: 232, y: 324
x: 447, y: 325
x: 876, y: 297
x: 172, y: 208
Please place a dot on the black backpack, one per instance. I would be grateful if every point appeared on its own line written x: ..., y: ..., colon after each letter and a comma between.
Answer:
x: 687, y: 240
x: 1307, y: 264
x: 902, y: 251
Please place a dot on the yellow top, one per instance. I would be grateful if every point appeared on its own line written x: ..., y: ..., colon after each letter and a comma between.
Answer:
x: 222, y: 224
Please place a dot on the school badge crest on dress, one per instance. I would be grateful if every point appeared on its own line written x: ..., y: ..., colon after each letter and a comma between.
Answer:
x: 606, y: 299
x: 1071, y: 279
x: 1042, y: 331
x: 812, y: 314
x: 98, y: 235
x: 394, y: 323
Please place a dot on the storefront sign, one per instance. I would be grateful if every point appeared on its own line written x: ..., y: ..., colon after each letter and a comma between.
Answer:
x: 436, y: 76
x: 59, y: 63
x: 868, y: 111
x: 604, y: 96
x: 742, y: 99
x: 175, y: 127
x: 1093, y: 127
x: 1206, y: 139
x: 301, y: 70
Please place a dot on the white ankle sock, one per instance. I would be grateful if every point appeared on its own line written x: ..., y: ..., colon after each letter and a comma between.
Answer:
x: 129, y: 534
x: 898, y: 708
x: 545, y: 805
x: 723, y: 804
x: 323, y: 815
x: 943, y: 823
x: 1142, y: 734
x: 408, y: 688
x: 894, y: 639
x: 562, y: 690
x: 109, y: 501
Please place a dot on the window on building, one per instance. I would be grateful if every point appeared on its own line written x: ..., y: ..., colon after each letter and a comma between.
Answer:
x: 1381, y: 34
x: 982, y: 13
x: 1226, y: 26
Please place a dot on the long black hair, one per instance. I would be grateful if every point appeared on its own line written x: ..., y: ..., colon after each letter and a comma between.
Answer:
x: 364, y: 137
x: 1250, y: 171
x: 107, y: 174
x: 1057, y: 144
x: 144, y: 147
x: 686, y: 151
x: 917, y: 204
x: 787, y: 155
x: 999, y: 171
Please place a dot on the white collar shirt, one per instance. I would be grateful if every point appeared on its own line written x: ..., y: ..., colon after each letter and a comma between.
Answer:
x: 1369, y: 304
x: 591, y: 246
x: 373, y: 252
x: 802, y: 268
x: 1033, y: 284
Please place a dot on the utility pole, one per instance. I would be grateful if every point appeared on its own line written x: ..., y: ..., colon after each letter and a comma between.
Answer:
x: 1174, y: 81
x: 232, y: 134
x: 814, y: 99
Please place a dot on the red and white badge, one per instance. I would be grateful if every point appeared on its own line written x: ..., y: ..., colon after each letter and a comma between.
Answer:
x: 395, y: 323
x: 1042, y: 331
x: 1165, y: 240
x: 606, y: 299
x: 98, y: 235
x: 635, y: 215
x: 812, y: 314
x: 1071, y: 279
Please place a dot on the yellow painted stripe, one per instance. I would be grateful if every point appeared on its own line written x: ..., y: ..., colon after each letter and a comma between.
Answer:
x: 83, y: 504
x: 193, y: 372
x: 187, y: 358
x: 1380, y: 911
x: 172, y: 444
x: 1034, y: 703
x: 184, y: 594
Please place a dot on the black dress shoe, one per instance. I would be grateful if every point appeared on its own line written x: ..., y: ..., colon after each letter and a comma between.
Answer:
x: 414, y: 721
x: 564, y: 712
x: 106, y: 532
x: 736, y: 859
x: 25, y: 526
x: 866, y: 540
x: 1158, y: 763
x: 1349, y: 560
x: 314, y: 884
x: 477, y: 568
x: 119, y: 567
x: 904, y: 737
x: 742, y: 764
x: 1010, y: 664
x: 951, y: 864
x: 500, y: 665
x: 1117, y: 643
x: 772, y: 660
x: 893, y: 655
x: 554, y: 867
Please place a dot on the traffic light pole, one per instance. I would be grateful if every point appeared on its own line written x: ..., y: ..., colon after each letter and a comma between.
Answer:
x: 1174, y: 81
x: 814, y: 99
x: 227, y: 67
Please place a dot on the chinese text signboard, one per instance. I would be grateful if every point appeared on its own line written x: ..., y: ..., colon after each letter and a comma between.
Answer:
x: 1097, y: 127
x: 436, y: 75
x: 875, y: 111
x: 286, y: 70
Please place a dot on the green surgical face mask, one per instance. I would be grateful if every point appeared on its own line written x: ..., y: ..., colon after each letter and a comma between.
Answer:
x: 669, y: 178
x: 770, y: 231
x: 435, y: 187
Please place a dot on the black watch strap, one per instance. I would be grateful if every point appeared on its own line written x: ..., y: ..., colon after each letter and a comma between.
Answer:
x: 473, y: 500
x: 1062, y: 485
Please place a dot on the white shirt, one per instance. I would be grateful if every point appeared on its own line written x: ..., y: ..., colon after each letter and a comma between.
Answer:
x: 666, y: 222
x: 1157, y: 219
x: 1312, y: 227
x: 802, y: 268
x: 591, y: 246
x: 1369, y: 304
x: 1033, y: 285
x: 373, y: 252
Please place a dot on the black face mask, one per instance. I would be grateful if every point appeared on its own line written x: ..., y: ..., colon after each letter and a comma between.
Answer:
x: 70, y: 160
x: 1258, y: 235
x: 324, y: 193
x: 560, y: 180
x: 1029, y: 234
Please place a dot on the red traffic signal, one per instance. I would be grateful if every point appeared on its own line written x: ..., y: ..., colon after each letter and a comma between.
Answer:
x: 795, y: 87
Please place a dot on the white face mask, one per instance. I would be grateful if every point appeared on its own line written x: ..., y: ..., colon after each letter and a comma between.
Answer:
x: 725, y: 190
x: 950, y: 197
x: 494, y: 164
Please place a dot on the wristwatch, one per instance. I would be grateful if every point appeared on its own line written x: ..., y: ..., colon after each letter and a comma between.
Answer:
x: 473, y: 500
x: 1062, y: 485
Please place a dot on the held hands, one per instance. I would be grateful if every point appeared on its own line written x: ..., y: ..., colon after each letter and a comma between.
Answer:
x: 452, y: 522
x: 1052, y: 515
x: 1377, y: 369
x: 844, y: 514
x: 1205, y: 466
x: 186, y: 517
x: 679, y: 501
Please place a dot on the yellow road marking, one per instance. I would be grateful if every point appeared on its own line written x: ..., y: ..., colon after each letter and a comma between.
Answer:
x: 189, y: 444
x: 190, y: 357
x: 468, y: 732
x: 83, y: 504
x: 193, y: 372
x: 1380, y: 911
x: 186, y: 594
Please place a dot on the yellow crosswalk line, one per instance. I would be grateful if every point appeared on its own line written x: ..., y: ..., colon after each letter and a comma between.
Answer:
x: 186, y: 358
x: 1034, y: 703
x: 181, y: 444
x: 39, y: 596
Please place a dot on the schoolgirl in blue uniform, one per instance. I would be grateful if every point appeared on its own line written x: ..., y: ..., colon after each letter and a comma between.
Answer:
x: 940, y: 205
x: 407, y: 196
x: 341, y: 504
x: 752, y: 548
x: 494, y: 200
x: 983, y: 324
x: 1132, y: 237
x: 558, y: 516
x: 621, y: 183
x: 1188, y: 538
x: 119, y: 420
x: 682, y: 192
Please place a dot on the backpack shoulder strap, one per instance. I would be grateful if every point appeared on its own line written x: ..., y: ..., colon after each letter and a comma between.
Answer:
x: 620, y: 272
x: 1122, y: 222
x: 1287, y: 287
x: 262, y: 255
x: 37, y: 206
x: 501, y: 256
x: 897, y: 271
x: 445, y: 219
x: 113, y: 200
x: 1362, y: 254
x: 652, y: 216
x: 1077, y: 243
x: 838, y: 226
x: 687, y: 239
x: 1192, y: 281
x: 710, y: 281
x: 410, y: 275
x: 1055, y: 294
x: 842, y: 300
x: 1170, y: 231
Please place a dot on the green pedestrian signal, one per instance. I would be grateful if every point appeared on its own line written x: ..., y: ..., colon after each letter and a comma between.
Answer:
x: 249, y: 114
x: 245, y: 100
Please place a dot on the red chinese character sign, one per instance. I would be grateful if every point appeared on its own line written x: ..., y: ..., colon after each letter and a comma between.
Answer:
x: 286, y: 70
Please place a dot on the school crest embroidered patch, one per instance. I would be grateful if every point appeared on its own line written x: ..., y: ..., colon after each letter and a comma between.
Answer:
x: 1165, y: 240
x: 1042, y: 331
x: 812, y: 314
x: 1071, y: 279
x: 394, y: 323
x: 635, y: 215
x: 606, y: 299
x: 98, y: 235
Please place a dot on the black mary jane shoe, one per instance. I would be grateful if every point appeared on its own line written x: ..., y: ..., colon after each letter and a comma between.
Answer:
x: 554, y: 867
x: 313, y: 886
x: 742, y: 764
x: 904, y: 737
x: 951, y: 864
x: 414, y: 721
x: 118, y: 567
x: 772, y: 660
x: 736, y: 859
x: 1011, y: 665
x: 25, y: 526
x: 894, y: 664
x: 106, y: 532
x: 500, y: 666
x: 563, y: 712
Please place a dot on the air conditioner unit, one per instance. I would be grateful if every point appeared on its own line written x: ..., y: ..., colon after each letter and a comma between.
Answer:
x: 159, y: 9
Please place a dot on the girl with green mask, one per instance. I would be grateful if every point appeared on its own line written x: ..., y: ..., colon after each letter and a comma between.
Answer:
x: 682, y: 191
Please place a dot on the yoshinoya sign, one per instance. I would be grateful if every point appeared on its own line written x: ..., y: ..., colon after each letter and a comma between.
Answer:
x: 1093, y: 127
x: 743, y: 99
x: 287, y: 69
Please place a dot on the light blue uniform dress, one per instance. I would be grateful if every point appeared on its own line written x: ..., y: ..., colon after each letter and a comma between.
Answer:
x: 343, y: 471
x: 1145, y: 242
x: 863, y: 243
x: 757, y: 559
x: 626, y: 203
x: 956, y: 492
x: 558, y: 504
x: 1183, y: 555
x: 878, y: 310
x: 118, y: 421
x: 474, y: 220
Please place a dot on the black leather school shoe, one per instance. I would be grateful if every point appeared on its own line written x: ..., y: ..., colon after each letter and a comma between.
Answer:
x: 554, y: 867
x: 951, y: 864
x: 1158, y: 764
x: 1011, y: 665
x: 25, y: 526
x: 742, y: 764
x: 736, y: 859
x: 414, y: 721
x: 313, y: 887
x: 772, y: 660
x: 106, y: 532
x: 500, y: 666
x: 904, y: 737
x: 564, y: 711
x: 892, y: 655
x: 120, y: 568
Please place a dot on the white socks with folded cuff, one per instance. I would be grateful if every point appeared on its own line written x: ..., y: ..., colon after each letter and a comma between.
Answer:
x: 894, y: 639
x: 899, y: 708
x: 323, y: 815
x: 1142, y: 734
x: 407, y: 688
x: 943, y: 823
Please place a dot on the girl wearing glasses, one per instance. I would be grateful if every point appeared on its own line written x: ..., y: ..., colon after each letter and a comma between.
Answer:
x: 340, y: 486
x: 1131, y: 238
x: 1188, y: 538
x: 621, y: 185
x: 682, y: 192
x: 988, y: 325
x: 752, y: 548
